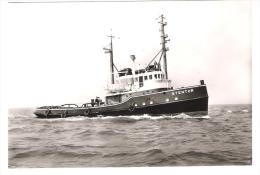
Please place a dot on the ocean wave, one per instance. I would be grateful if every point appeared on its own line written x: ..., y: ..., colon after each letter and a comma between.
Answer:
x: 54, y: 153
x: 25, y: 154
x: 147, y: 153
x: 192, y: 158
x: 137, y: 140
x: 71, y: 146
x: 31, y: 138
x: 16, y: 130
x: 85, y: 132
x: 245, y: 111
x: 205, y: 157
x: 238, y: 110
x: 68, y: 154
x: 131, y: 118
x: 108, y: 132
x: 69, y: 119
x: 15, y: 148
x: 150, y: 117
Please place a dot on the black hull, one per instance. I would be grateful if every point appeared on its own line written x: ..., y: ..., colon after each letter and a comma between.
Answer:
x: 194, y: 106
x: 192, y: 100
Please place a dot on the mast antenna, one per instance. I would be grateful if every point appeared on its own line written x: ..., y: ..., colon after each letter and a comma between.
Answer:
x: 110, y: 51
x: 163, y: 43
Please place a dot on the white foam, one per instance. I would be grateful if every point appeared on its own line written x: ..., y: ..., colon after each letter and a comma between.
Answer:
x: 185, y: 116
x: 134, y: 117
x: 75, y: 119
x: 78, y: 118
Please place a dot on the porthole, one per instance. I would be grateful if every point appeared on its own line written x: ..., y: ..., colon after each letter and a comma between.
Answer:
x: 136, y: 105
x: 176, y: 98
x: 167, y: 99
x: 143, y: 104
x: 151, y: 102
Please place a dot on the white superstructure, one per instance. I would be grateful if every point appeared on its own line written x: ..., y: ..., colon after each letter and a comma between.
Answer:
x: 145, y: 80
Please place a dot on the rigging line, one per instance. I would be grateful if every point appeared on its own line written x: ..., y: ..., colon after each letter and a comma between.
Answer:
x: 115, y: 67
x: 87, y: 1
x: 153, y: 58
x: 160, y: 57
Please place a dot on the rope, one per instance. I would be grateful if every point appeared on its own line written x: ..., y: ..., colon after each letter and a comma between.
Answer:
x: 153, y: 59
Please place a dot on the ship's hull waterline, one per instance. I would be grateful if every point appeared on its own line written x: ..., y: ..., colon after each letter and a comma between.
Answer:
x: 192, y: 100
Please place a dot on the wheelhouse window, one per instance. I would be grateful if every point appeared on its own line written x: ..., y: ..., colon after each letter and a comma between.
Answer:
x: 145, y: 77
x: 159, y: 76
x: 155, y: 76
x: 150, y: 77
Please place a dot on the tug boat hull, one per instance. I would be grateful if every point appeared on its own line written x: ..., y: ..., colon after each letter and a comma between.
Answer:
x: 190, y: 100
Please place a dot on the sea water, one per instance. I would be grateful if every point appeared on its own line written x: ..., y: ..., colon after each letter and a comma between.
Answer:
x: 224, y: 137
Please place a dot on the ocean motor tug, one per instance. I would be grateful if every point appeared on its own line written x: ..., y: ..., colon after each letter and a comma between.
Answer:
x: 135, y: 91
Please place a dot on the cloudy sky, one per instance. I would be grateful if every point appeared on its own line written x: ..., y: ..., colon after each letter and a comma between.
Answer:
x: 52, y: 52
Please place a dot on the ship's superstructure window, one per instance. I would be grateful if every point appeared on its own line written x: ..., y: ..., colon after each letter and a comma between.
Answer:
x: 141, y: 81
x: 113, y: 99
x: 155, y: 76
x: 159, y: 76
x: 162, y: 76
x: 136, y: 79
x: 145, y: 77
x: 150, y: 77
x: 124, y: 72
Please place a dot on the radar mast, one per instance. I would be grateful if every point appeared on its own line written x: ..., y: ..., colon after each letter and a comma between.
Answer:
x: 163, y: 43
x: 110, y: 51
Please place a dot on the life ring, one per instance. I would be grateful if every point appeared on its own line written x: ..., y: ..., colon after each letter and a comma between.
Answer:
x: 47, y: 112
x: 131, y: 108
x: 87, y: 112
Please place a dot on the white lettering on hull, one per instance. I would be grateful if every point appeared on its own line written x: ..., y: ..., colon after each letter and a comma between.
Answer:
x: 186, y: 91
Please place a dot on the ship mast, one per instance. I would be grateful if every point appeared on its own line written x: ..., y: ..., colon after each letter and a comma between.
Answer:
x: 110, y: 51
x: 163, y: 43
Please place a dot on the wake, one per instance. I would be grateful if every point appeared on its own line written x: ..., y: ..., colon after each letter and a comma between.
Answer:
x: 131, y: 117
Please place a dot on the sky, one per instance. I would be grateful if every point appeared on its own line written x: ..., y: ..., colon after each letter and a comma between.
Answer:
x: 52, y: 53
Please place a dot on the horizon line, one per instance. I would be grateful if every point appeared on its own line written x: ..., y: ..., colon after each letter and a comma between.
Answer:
x: 18, y: 107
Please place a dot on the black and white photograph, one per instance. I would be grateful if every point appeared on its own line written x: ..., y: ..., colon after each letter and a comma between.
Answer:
x: 127, y: 84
